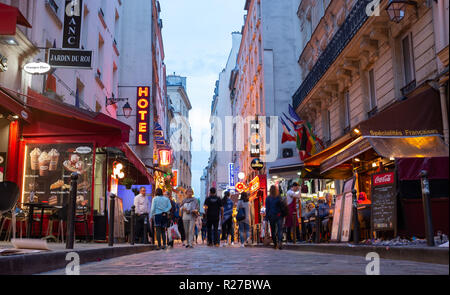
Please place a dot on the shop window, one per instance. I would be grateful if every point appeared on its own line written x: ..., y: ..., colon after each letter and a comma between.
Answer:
x: 48, y: 168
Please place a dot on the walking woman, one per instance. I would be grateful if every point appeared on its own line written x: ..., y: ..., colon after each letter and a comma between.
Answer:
x: 160, y: 212
x: 244, y: 224
x: 273, y: 215
x: 189, y: 211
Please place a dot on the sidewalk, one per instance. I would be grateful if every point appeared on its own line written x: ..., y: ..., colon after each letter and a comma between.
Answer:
x: 412, y: 253
x: 42, y: 261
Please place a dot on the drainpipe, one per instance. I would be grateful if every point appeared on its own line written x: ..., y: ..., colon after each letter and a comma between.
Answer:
x: 444, y: 112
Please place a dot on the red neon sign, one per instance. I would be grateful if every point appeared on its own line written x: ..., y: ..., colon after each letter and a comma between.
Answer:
x: 165, y: 157
x: 143, y: 116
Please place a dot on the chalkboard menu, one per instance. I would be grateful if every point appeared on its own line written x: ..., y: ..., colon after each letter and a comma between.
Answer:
x: 347, y: 214
x: 384, y: 202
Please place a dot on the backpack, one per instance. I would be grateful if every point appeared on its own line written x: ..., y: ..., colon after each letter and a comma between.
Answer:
x: 241, y: 214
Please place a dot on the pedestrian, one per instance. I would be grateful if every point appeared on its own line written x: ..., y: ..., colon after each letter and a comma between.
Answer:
x: 244, y: 223
x: 227, y: 222
x: 160, y: 213
x: 214, y: 212
x: 142, y: 209
x: 204, y: 228
x: 189, y: 211
x: 291, y: 222
x: 273, y: 215
x: 174, y: 214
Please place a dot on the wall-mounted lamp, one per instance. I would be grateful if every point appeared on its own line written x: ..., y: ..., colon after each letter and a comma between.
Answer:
x: 396, y: 9
x: 127, y: 109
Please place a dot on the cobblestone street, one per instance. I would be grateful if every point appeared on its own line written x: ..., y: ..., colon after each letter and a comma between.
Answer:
x: 203, y: 260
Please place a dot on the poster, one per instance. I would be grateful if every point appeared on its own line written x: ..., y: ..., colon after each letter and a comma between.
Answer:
x: 336, y: 228
x: 48, y: 170
x: 347, y: 214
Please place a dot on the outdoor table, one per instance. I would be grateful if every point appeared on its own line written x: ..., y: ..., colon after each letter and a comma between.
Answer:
x: 41, y: 206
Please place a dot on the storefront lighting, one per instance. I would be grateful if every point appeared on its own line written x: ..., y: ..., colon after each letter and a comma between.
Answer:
x: 357, y: 160
x: 374, y: 165
x: 164, y: 157
x: 9, y: 40
x: 275, y: 177
x: 117, y: 170
x: 127, y: 110
x: 356, y: 130
x: 241, y: 175
x: 392, y: 159
x: 299, y: 173
x: 396, y: 9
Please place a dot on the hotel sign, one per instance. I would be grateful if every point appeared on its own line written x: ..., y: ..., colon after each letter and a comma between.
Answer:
x: 70, y: 58
x: 72, y: 23
x: 143, y: 116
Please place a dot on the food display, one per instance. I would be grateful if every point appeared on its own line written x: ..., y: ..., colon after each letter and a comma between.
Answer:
x: 48, y: 170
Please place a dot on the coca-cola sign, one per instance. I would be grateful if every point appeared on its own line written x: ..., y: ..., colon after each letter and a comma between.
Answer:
x: 383, y: 179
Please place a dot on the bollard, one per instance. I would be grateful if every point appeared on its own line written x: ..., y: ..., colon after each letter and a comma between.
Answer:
x: 145, y: 228
x: 427, y: 207
x: 132, y: 224
x: 317, y: 237
x: 111, y: 220
x: 356, y: 229
x: 71, y: 211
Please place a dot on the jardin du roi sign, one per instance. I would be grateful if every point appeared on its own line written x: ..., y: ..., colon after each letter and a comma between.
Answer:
x: 70, y: 58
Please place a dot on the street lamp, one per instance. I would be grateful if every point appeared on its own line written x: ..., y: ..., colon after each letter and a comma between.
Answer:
x: 396, y: 9
x: 126, y: 108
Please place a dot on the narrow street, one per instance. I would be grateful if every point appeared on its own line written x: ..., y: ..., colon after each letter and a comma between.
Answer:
x: 203, y: 260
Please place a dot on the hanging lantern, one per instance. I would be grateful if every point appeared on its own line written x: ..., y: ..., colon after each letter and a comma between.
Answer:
x: 165, y: 157
x: 396, y: 9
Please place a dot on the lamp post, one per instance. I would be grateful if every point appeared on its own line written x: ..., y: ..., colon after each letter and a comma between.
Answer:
x: 396, y: 9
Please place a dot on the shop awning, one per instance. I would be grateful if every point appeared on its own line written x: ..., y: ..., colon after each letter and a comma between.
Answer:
x: 408, y: 129
x: 11, y: 16
x: 63, y: 122
x: 8, y: 102
x: 136, y: 161
x: 355, y: 148
x: 410, y: 168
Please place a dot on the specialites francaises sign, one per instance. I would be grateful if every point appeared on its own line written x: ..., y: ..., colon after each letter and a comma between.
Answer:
x: 70, y: 58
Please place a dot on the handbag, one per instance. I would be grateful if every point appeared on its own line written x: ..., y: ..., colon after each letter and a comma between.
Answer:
x: 241, y: 214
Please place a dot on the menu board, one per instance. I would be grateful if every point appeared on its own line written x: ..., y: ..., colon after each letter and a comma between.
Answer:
x: 336, y: 230
x: 347, y: 214
x: 48, y: 168
x: 384, y: 201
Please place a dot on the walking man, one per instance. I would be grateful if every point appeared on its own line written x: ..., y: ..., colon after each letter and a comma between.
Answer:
x: 214, y: 212
x: 142, y: 208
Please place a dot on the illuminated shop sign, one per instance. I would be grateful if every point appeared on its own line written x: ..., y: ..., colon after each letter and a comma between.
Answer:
x: 254, y: 139
x: 165, y: 157
x: 72, y: 23
x: 231, y: 175
x: 143, y: 116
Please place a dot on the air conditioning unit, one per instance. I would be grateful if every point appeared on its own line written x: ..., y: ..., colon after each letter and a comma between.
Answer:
x: 288, y: 153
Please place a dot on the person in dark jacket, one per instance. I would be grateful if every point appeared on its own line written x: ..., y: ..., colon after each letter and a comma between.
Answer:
x: 273, y: 215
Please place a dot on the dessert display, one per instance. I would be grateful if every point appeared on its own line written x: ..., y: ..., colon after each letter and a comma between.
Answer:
x: 44, y: 162
x: 57, y: 185
x: 54, y: 158
x: 74, y: 164
x: 34, y: 155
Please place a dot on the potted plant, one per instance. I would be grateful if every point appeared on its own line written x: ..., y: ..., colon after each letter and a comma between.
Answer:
x: 128, y: 182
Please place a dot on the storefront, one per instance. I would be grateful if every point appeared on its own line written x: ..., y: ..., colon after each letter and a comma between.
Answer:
x: 410, y: 129
x: 47, y: 142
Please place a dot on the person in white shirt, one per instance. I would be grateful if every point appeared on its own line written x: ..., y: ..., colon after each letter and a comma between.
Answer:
x: 291, y: 219
x: 142, y: 210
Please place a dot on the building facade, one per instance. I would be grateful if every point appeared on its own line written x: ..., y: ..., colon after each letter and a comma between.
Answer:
x: 180, y: 129
x: 360, y: 73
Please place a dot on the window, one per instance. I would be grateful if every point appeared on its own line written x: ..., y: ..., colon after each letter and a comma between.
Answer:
x: 347, y: 110
x: 408, y: 60
x: 372, y: 96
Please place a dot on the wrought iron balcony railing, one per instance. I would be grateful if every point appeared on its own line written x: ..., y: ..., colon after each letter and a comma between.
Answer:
x: 354, y: 21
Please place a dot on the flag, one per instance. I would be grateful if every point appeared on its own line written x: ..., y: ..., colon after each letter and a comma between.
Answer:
x: 294, y: 114
x: 77, y: 98
x: 286, y: 132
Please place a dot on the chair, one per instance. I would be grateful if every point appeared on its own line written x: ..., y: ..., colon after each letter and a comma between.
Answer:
x: 9, y: 192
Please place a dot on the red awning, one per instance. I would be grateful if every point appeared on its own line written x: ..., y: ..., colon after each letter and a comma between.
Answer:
x: 63, y: 122
x: 11, y: 16
x: 8, y: 102
x: 136, y: 161
x: 410, y: 168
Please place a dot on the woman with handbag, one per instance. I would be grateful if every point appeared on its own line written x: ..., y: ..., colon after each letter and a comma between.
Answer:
x: 274, y: 208
x: 242, y: 217
x: 190, y: 211
x: 160, y: 213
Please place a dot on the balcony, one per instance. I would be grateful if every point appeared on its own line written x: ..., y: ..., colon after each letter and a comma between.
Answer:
x: 52, y: 9
x: 355, y: 20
